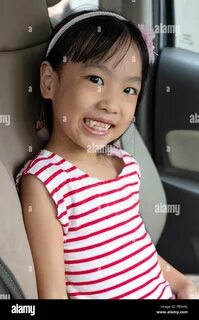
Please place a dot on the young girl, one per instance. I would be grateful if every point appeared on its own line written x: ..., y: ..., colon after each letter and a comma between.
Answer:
x: 80, y: 194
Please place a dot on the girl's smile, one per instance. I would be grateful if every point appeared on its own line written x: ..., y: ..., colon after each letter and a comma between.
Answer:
x: 96, y: 127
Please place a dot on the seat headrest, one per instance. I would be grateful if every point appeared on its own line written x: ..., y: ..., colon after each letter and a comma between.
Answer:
x: 23, y: 24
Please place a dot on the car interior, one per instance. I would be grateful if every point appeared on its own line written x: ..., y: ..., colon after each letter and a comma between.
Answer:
x: 162, y: 140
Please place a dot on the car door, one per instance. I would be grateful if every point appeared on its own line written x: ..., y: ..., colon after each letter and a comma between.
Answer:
x: 176, y: 130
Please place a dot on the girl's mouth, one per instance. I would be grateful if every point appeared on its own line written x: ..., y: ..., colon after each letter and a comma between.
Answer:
x: 96, y: 127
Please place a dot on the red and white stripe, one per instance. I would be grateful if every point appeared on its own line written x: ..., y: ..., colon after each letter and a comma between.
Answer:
x: 107, y: 252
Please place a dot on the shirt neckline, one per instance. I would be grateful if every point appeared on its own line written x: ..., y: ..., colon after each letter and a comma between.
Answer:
x: 115, y: 151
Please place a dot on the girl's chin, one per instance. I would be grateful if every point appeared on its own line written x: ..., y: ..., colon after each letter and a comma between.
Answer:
x: 92, y: 146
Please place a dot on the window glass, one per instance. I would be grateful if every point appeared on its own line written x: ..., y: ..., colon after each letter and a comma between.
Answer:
x: 75, y: 4
x: 187, y: 24
x: 61, y: 9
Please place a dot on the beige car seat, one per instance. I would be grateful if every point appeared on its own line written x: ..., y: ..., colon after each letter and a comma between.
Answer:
x: 24, y: 31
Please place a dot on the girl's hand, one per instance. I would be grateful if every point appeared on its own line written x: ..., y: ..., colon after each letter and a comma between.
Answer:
x: 188, y: 291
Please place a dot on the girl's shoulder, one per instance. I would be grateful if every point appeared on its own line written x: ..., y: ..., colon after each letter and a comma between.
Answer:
x: 34, y: 166
x: 114, y: 149
x: 128, y: 157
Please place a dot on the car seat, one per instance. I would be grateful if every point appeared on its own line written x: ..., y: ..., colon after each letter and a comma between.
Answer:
x: 23, y: 42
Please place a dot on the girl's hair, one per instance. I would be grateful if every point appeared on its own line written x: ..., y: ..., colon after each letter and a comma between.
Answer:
x: 95, y: 39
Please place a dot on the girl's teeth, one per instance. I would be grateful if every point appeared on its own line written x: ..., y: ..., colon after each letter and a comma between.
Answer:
x: 97, y: 125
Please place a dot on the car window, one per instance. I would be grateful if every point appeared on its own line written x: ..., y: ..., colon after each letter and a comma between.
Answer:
x: 77, y: 3
x: 61, y: 9
x: 187, y: 23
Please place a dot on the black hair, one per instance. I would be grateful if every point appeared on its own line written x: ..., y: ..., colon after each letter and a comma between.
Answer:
x: 94, y: 39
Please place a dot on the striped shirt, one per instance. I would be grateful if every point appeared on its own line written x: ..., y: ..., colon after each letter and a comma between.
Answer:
x: 107, y: 252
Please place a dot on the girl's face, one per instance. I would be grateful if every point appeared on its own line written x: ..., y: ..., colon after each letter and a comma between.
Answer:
x: 93, y: 104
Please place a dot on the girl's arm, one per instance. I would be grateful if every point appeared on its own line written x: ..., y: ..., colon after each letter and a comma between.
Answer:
x: 45, y: 237
x: 182, y: 286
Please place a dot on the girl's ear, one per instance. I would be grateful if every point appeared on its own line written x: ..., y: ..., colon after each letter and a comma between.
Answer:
x: 47, y: 80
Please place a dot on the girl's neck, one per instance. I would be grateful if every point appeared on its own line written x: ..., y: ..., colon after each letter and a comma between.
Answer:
x: 72, y: 152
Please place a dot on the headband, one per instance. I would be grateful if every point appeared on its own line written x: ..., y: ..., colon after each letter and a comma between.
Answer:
x: 77, y: 19
x: 147, y: 32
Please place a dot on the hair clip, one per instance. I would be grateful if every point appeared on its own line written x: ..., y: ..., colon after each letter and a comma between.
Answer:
x: 41, y: 128
x: 148, y: 35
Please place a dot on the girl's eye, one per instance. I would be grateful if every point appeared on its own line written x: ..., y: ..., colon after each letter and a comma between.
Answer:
x: 97, y: 80
x: 131, y: 91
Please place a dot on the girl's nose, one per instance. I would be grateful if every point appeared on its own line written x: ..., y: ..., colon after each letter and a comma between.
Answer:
x: 110, y: 105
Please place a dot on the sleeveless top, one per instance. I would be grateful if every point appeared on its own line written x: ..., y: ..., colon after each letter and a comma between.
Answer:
x: 108, y: 253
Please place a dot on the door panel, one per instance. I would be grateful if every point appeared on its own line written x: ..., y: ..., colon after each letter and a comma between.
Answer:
x: 177, y: 111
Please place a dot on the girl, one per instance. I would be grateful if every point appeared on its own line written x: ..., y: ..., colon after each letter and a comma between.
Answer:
x: 80, y: 194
